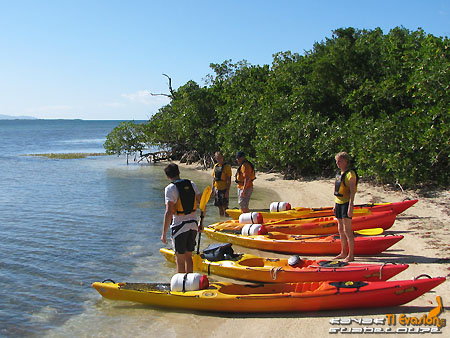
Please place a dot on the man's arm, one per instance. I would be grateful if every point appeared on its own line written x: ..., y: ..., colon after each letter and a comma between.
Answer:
x: 227, y: 193
x: 213, y: 179
x: 167, y: 220
x: 228, y: 175
x: 352, y: 186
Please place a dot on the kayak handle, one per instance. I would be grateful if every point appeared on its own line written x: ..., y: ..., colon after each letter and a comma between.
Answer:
x: 422, y: 275
x: 109, y: 280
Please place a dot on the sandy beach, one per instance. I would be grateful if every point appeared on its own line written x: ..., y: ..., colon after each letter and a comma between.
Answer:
x: 425, y: 247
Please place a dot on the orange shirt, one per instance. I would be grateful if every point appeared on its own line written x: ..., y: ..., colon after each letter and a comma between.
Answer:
x: 245, y: 176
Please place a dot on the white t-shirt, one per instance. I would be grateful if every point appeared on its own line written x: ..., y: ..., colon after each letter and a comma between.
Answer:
x: 171, y: 195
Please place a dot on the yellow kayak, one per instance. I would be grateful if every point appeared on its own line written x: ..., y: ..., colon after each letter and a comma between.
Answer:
x: 270, y: 270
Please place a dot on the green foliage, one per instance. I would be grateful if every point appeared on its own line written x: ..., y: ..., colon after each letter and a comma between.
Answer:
x: 384, y: 98
x: 241, y: 109
x: 127, y: 138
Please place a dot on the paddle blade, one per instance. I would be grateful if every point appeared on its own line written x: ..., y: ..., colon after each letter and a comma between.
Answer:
x: 370, y: 232
x: 203, y: 201
x: 205, y: 198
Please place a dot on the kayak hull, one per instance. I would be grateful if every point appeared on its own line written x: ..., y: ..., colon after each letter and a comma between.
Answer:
x: 305, y: 245
x: 396, y: 207
x: 277, y: 270
x: 278, y: 297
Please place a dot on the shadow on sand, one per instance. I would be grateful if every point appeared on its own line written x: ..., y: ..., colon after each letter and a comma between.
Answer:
x: 356, y: 313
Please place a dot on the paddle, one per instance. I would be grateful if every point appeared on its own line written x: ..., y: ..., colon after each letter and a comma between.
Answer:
x: 203, y: 201
x: 364, y: 232
x: 370, y: 232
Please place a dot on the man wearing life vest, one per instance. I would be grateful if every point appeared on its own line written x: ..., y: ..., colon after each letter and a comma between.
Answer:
x: 181, y: 199
x: 245, y: 175
x: 345, y: 190
x: 221, y: 183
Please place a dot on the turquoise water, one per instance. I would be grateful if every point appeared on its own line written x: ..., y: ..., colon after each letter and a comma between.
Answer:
x: 67, y: 223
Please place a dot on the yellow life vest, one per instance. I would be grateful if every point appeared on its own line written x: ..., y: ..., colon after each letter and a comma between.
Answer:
x: 341, y: 189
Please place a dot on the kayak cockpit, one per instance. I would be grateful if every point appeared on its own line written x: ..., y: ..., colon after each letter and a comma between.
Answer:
x: 255, y: 289
x: 145, y: 287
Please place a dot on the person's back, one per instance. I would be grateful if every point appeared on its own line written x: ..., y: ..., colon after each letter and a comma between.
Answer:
x: 181, y: 199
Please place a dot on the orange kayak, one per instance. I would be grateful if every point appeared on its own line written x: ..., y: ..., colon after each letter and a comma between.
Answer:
x: 277, y: 270
x: 303, y: 244
x: 397, y: 207
x: 317, y: 226
x: 278, y: 297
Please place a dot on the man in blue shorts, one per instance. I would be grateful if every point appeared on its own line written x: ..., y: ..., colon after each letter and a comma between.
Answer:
x: 181, y: 198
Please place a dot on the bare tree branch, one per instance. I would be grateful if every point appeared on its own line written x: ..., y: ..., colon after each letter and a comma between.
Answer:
x: 172, y: 93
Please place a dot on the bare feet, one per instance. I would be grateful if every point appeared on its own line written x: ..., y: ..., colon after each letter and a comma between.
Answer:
x: 340, y: 256
x: 349, y: 259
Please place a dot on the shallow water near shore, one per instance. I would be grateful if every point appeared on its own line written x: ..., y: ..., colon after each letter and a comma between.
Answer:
x: 66, y: 223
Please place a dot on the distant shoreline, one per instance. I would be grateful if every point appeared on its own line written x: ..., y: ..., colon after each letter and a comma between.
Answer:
x: 31, y: 118
x: 11, y: 117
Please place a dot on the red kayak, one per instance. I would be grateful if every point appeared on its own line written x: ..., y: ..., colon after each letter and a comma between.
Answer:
x: 278, y: 297
x: 304, y: 245
x: 396, y: 207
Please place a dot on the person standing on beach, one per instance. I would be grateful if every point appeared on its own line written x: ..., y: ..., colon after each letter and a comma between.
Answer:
x: 181, y: 199
x: 345, y: 190
x: 221, y: 183
x: 245, y: 175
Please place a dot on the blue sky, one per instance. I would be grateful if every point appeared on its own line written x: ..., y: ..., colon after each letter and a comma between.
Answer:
x: 100, y: 59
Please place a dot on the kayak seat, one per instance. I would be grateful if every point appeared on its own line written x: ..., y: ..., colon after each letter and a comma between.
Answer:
x: 307, y: 262
x: 252, y: 262
x: 332, y: 264
x: 307, y: 286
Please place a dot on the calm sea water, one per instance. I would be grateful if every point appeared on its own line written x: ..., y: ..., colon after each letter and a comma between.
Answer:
x: 67, y: 223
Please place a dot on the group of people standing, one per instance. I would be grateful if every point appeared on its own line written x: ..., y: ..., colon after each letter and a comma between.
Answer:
x: 182, y: 198
x: 221, y: 182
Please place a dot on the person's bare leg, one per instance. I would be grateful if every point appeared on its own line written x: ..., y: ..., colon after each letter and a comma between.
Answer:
x: 189, y: 264
x: 222, y: 211
x: 181, y: 262
x: 350, y: 239
x: 343, y: 238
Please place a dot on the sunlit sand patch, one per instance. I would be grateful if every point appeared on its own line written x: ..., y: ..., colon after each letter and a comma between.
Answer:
x: 46, y: 314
